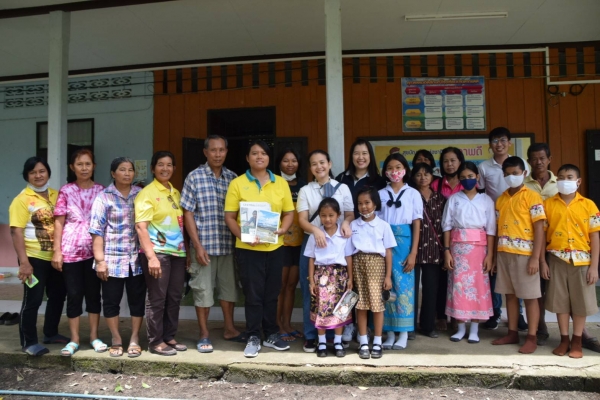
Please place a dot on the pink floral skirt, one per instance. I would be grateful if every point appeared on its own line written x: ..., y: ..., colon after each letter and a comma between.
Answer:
x: 331, y: 282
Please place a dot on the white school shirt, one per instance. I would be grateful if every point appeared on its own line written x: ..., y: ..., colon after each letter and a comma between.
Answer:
x: 374, y: 236
x: 311, y: 195
x: 491, y: 177
x: 462, y: 213
x: 411, y: 208
x: 335, y: 252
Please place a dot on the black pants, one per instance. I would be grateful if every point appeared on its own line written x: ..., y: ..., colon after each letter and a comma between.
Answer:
x: 112, y: 293
x: 442, y: 292
x: 81, y: 281
x: 430, y: 277
x: 260, y: 274
x: 51, y: 282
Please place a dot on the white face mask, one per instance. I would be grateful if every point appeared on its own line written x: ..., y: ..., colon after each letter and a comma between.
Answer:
x: 514, y: 181
x: 287, y: 177
x: 566, y: 187
x: 40, y: 189
x: 369, y: 215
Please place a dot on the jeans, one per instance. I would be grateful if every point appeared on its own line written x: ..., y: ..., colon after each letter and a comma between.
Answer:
x: 497, y: 298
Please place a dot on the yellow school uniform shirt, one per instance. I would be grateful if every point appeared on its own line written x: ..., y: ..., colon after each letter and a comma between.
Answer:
x: 516, y: 215
x: 35, y: 215
x: 276, y: 192
x: 569, y: 226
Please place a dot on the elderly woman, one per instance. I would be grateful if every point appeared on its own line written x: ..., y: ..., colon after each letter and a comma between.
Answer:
x: 159, y: 224
x: 260, y: 264
x: 116, y: 251
x: 73, y: 253
x: 31, y: 217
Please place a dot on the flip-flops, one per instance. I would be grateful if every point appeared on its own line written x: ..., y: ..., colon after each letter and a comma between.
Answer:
x: 35, y: 350
x: 297, y: 334
x: 116, y: 350
x: 134, y: 350
x: 241, y: 338
x: 167, y: 351
x: 287, y: 337
x: 99, y: 346
x: 204, y: 342
x: 71, y: 348
x: 56, y: 339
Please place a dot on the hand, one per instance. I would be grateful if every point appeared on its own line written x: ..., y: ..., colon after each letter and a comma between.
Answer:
x: 201, y: 255
x: 314, y: 290
x: 409, y: 263
x: 57, y: 261
x: 345, y: 230
x: 448, y: 261
x: 102, y: 271
x: 544, y: 270
x: 154, y: 268
x: 320, y: 238
x: 387, y: 284
x: 25, y: 272
x: 494, y: 266
x: 349, y: 285
x: 592, y: 275
x: 256, y: 241
x: 280, y: 232
x: 488, y: 264
x: 533, y: 266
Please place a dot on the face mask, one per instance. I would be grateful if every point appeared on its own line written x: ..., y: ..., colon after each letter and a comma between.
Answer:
x: 468, y: 184
x: 287, y: 177
x: 367, y: 216
x: 395, y: 176
x: 39, y: 189
x: 566, y: 187
x: 514, y: 181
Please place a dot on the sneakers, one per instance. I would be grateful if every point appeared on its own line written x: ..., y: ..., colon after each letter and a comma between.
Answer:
x: 252, y: 347
x: 310, y: 345
x: 492, y: 322
x: 348, y: 333
x: 275, y: 342
x: 522, y: 325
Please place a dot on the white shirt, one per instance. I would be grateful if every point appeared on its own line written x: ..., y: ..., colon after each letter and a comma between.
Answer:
x: 311, y: 195
x: 337, y: 249
x: 491, y: 177
x: 374, y: 236
x: 411, y: 208
x: 462, y: 213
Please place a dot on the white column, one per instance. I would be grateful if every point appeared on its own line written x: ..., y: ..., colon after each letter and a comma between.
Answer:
x: 60, y: 23
x: 335, y: 93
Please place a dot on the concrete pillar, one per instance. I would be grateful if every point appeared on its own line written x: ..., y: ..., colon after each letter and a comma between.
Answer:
x: 335, y: 93
x: 60, y: 24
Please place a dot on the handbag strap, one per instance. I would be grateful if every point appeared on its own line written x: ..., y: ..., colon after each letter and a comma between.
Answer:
x: 437, y: 238
x: 312, y: 218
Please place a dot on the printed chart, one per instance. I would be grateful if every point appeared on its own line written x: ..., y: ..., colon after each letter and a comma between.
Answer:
x: 443, y: 104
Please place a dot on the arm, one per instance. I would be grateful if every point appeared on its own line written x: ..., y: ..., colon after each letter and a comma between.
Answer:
x: 98, y: 248
x: 57, y: 258
x: 592, y: 275
x: 311, y: 273
x: 192, y: 230
x: 544, y: 268
x: 387, y: 283
x: 153, y: 264
x: 350, y: 283
x: 409, y: 263
x: 533, y: 265
x: 348, y: 218
x: 25, y: 268
x: 448, y: 260
x: 488, y: 262
x: 287, y: 219
x: 308, y: 227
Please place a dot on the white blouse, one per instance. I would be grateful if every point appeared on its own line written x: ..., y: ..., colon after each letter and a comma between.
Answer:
x: 411, y: 208
x: 462, y: 213
x: 311, y: 195
x: 335, y: 252
x: 374, y: 236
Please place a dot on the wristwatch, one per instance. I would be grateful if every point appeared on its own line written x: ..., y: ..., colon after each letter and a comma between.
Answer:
x: 446, y: 248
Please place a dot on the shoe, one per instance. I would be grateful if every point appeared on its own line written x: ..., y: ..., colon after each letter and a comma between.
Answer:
x: 275, y: 342
x: 433, y: 334
x: 348, y: 333
x: 412, y: 335
x: 339, y: 352
x: 310, y: 345
x: 14, y: 319
x: 377, y: 351
x: 5, y: 317
x: 542, y: 338
x: 363, y: 352
x: 166, y: 351
x: 322, y: 352
x: 591, y: 343
x: 252, y: 347
x: 492, y: 323
x: 522, y: 325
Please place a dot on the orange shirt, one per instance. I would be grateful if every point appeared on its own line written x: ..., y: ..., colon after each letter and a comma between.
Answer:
x: 569, y: 226
x: 516, y: 215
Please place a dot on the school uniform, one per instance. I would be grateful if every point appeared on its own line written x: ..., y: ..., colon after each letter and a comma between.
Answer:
x: 568, y: 231
x: 400, y: 210
x: 369, y: 243
x: 469, y: 221
x: 331, y: 278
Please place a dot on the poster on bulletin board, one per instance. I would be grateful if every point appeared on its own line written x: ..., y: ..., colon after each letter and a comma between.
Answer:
x: 443, y: 104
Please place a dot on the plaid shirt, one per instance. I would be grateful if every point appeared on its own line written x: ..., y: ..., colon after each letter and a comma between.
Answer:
x: 204, y: 195
x: 113, y: 219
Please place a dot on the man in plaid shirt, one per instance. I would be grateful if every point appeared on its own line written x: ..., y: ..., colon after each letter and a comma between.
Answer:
x: 212, y: 263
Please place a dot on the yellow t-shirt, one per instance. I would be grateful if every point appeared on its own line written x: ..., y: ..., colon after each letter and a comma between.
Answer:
x: 516, y: 215
x: 276, y: 192
x: 35, y: 215
x: 569, y: 226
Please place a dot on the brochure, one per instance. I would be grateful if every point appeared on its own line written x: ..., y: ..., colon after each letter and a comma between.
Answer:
x: 345, y: 305
x: 248, y: 217
x: 266, y: 225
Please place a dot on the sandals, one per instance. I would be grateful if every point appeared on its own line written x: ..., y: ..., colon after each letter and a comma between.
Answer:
x: 241, y: 338
x: 376, y: 351
x: 35, y: 350
x: 177, y: 346
x: 287, y: 337
x: 134, y: 350
x: 297, y: 334
x: 99, y: 346
x: 167, y: 351
x: 116, y: 350
x: 363, y: 352
x: 204, y: 345
x: 70, y: 349
x: 322, y: 352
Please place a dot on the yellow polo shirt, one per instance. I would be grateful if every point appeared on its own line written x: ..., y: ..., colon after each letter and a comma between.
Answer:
x: 276, y: 192
x: 569, y: 226
x: 516, y: 215
x: 35, y: 215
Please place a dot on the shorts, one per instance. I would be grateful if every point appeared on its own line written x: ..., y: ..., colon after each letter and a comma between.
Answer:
x: 219, y: 273
x: 291, y: 256
x: 512, y: 277
x: 568, y: 291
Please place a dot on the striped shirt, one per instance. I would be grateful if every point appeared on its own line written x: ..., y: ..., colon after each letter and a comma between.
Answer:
x: 113, y: 218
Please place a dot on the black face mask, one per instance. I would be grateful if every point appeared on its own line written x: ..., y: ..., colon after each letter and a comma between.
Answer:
x: 452, y: 175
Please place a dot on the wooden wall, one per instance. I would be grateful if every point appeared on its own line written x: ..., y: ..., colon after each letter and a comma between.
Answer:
x: 515, y: 94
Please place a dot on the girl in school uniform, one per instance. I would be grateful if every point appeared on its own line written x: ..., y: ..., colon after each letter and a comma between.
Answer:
x: 329, y: 276
x: 372, y: 241
x: 402, y: 208
x: 469, y: 225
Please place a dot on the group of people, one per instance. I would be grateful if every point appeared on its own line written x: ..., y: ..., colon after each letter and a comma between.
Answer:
x: 466, y: 237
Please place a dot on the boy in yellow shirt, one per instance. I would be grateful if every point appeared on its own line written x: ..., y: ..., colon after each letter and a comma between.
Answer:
x: 573, y: 246
x: 520, y: 215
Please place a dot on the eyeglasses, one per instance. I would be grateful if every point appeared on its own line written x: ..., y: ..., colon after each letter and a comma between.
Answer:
x: 503, y: 141
x: 175, y: 206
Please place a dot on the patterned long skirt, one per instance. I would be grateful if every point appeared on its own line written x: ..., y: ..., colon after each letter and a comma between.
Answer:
x: 469, y: 295
x: 399, y: 316
x: 369, y: 274
x: 331, y: 281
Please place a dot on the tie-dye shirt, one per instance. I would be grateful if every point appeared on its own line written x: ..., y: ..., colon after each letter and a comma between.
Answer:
x: 35, y: 215
x: 75, y: 204
x: 159, y: 206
